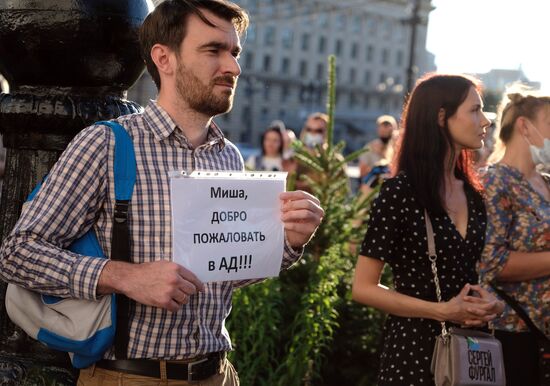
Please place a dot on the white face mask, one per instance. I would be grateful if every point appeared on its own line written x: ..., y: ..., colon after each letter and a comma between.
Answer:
x: 310, y: 140
x: 540, y: 155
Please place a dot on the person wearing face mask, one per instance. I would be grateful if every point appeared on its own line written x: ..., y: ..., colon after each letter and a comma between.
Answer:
x: 313, y: 136
x: 516, y: 257
x: 374, y: 165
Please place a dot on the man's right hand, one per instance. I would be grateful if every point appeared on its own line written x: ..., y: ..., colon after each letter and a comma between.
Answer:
x: 163, y: 284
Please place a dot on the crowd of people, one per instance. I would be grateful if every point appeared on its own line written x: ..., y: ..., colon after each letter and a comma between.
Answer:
x: 492, y: 224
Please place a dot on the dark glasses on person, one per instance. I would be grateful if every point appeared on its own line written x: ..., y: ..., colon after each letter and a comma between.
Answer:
x: 314, y: 130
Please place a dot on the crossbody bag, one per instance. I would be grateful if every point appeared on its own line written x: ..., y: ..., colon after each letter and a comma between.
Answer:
x: 463, y: 357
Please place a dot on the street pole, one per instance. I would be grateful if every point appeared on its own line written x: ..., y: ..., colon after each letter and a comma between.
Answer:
x: 68, y: 64
x: 414, y: 21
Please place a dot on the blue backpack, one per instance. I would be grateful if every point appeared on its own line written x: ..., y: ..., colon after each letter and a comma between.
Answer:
x: 85, y: 328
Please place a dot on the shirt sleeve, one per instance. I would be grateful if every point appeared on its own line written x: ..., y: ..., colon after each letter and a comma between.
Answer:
x: 499, y: 218
x: 290, y: 256
x: 34, y: 255
x: 385, y: 223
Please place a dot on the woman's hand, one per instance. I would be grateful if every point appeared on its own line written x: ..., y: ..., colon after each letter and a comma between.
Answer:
x: 470, y: 310
x: 493, y: 305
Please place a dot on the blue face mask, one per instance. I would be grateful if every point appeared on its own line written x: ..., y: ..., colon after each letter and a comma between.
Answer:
x: 540, y: 155
x: 311, y: 140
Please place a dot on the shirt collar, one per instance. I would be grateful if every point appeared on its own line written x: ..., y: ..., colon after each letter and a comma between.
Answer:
x: 162, y: 126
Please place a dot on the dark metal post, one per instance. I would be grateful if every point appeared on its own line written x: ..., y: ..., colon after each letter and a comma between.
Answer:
x: 68, y: 64
x: 414, y: 20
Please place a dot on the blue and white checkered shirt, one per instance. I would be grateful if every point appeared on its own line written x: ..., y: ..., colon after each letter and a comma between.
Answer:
x: 79, y: 193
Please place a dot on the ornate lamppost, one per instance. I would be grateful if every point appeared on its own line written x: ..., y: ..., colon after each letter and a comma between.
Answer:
x: 68, y: 64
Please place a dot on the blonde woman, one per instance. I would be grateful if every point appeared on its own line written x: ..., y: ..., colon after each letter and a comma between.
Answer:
x: 517, y: 251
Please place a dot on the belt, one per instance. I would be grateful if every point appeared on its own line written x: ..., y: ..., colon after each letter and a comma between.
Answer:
x: 192, y: 371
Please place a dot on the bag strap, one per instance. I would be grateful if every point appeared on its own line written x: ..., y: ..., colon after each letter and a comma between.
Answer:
x: 125, y: 177
x: 432, y: 256
x: 512, y: 302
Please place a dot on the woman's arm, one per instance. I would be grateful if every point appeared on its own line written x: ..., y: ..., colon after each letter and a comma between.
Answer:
x: 367, y: 290
x: 498, y: 261
x: 522, y: 266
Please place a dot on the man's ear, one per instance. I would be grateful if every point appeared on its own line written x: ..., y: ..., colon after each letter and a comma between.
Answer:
x: 164, y: 59
x: 441, y: 115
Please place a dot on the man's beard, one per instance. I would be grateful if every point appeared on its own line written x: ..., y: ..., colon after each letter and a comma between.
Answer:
x: 202, y: 98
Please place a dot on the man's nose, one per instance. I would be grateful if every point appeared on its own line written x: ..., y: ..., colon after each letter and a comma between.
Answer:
x: 231, y: 66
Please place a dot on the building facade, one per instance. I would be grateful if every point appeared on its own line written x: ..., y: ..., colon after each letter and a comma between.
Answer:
x: 285, y: 56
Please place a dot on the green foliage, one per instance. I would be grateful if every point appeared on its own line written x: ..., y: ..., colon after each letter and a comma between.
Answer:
x: 256, y: 309
x: 314, y: 325
x: 301, y: 328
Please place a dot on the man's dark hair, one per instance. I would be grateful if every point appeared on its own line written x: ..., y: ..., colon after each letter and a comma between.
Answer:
x: 167, y: 25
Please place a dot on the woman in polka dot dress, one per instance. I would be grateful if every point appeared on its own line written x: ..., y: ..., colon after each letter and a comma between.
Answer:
x: 442, y: 121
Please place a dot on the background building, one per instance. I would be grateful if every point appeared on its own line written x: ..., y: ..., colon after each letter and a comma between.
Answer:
x: 284, y: 64
x: 497, y: 80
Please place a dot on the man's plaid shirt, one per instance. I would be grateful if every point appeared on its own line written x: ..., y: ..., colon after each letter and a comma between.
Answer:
x: 79, y: 194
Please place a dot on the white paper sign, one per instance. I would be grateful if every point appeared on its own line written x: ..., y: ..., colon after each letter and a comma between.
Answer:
x: 227, y: 225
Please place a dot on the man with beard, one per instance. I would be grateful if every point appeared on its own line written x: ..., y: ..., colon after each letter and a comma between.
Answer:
x: 176, y: 330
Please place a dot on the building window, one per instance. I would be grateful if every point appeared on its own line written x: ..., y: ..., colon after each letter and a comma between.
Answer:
x: 252, y: 6
x: 320, y: 73
x: 339, y: 47
x: 399, y: 58
x: 370, y: 53
x: 264, y: 114
x: 366, y: 102
x: 322, y: 20
x: 397, y: 104
x: 268, y: 7
x: 356, y: 24
x: 287, y: 37
x: 305, y: 41
x: 383, y: 104
x: 354, y: 50
x: 267, y: 63
x: 249, y: 60
x: 340, y: 22
x: 269, y: 37
x: 246, y: 116
x: 372, y: 25
x: 352, y: 75
x: 267, y: 92
x: 386, y: 29
x: 303, y: 68
x: 367, y: 78
x: 285, y: 93
x: 285, y: 66
x: 322, y: 44
x: 352, y: 100
x: 385, y: 56
x: 251, y: 33
x: 382, y: 78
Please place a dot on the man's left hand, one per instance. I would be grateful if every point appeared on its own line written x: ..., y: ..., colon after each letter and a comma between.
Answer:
x: 301, y: 215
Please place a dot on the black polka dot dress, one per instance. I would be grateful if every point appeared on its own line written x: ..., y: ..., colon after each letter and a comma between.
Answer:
x: 397, y: 235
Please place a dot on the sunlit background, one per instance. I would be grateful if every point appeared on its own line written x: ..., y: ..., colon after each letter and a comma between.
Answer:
x: 477, y: 36
x: 284, y: 61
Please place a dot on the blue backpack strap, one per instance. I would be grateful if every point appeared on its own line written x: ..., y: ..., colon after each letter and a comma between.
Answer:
x: 125, y: 177
x: 124, y: 162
